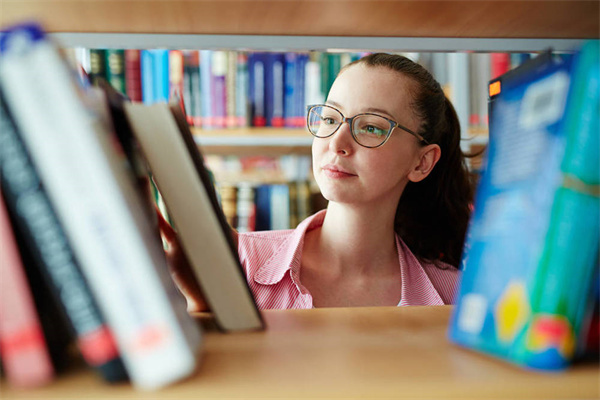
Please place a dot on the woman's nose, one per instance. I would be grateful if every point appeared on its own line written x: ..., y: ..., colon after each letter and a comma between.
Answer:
x: 342, y: 141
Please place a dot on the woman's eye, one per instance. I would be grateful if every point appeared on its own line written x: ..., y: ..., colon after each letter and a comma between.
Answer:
x: 328, y: 120
x: 373, y: 130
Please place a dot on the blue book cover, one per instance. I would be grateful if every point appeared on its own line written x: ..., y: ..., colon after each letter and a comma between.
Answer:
x: 533, y: 240
x: 256, y: 88
x: 263, y: 207
x: 160, y: 64
x: 147, y: 75
x: 290, y: 92
x: 274, y: 89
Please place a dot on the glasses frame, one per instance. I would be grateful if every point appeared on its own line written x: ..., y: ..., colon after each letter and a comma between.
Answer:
x: 350, y: 121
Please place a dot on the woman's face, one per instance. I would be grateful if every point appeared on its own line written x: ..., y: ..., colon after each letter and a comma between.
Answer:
x: 349, y: 173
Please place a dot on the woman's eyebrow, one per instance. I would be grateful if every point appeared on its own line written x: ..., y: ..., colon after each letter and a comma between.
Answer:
x: 368, y: 110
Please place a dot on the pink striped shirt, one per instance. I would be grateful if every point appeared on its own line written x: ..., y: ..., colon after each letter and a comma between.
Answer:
x: 272, y: 260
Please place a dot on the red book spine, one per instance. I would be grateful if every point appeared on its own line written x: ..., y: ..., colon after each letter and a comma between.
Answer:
x: 133, y: 78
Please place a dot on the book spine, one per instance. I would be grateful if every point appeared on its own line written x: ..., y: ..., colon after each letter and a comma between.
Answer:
x: 93, y: 196
x: 176, y: 87
x: 256, y: 70
x: 500, y: 64
x: 196, y: 87
x: 147, y: 77
x: 242, y: 90
x: 219, y: 87
x: 115, y: 69
x: 160, y: 65
x: 231, y: 86
x: 188, y: 99
x: 280, y: 206
x: 133, y: 79
x: 458, y: 78
x: 48, y: 247
x: 299, y: 91
x: 312, y: 86
x: 291, y: 89
x: 24, y: 351
x: 274, y: 89
x: 97, y: 65
x: 263, y: 207
x: 206, y: 84
x: 246, y: 209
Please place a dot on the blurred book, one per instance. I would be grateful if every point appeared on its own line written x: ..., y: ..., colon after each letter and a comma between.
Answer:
x: 178, y: 169
x: 25, y: 355
x: 68, y: 134
x: 49, y: 252
x: 531, y: 256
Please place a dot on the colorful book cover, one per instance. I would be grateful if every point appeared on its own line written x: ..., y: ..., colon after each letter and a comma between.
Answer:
x: 533, y: 241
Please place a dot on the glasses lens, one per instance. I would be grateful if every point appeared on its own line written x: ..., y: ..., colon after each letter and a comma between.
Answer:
x: 323, y: 121
x: 371, y: 130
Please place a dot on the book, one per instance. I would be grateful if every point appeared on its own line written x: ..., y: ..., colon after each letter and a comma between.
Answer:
x: 178, y: 170
x: 49, y: 251
x: 115, y: 69
x: 95, y: 198
x: 256, y: 88
x: 25, y: 357
x: 533, y: 241
x: 133, y: 79
x: 97, y: 65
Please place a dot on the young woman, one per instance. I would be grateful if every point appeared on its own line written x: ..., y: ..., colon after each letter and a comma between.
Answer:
x: 387, y: 156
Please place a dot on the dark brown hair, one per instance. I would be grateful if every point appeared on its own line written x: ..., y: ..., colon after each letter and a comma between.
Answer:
x: 432, y: 215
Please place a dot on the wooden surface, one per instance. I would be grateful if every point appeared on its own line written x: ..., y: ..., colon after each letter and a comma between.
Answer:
x: 406, y: 18
x: 343, y: 353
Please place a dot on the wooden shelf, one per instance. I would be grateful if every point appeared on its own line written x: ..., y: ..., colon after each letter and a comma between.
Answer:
x: 450, y: 19
x: 384, y: 352
x: 249, y: 141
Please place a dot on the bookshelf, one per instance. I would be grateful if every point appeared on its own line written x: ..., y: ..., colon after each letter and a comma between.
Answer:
x: 336, y: 352
x: 384, y: 352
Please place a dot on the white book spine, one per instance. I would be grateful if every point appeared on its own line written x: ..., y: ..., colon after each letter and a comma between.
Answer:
x: 458, y: 77
x: 123, y: 273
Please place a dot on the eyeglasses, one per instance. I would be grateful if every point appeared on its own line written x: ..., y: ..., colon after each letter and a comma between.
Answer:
x: 368, y: 130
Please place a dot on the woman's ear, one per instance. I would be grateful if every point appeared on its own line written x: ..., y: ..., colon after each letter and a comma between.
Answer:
x: 429, y: 156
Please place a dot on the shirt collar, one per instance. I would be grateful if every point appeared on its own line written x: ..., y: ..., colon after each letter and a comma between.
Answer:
x: 288, y: 255
x: 417, y: 288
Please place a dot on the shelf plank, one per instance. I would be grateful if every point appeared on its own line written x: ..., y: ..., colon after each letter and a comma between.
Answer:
x: 406, y: 18
x: 382, y: 352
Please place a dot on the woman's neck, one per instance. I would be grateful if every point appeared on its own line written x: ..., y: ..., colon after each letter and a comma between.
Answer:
x: 356, y: 241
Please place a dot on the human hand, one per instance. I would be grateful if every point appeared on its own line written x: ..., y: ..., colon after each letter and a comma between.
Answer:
x: 180, y: 268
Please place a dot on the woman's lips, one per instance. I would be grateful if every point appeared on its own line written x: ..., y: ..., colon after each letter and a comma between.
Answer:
x: 335, y: 172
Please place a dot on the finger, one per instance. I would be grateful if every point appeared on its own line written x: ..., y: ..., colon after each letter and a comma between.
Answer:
x: 166, y: 229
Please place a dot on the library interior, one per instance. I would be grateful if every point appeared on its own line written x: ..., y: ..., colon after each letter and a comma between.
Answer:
x: 137, y: 136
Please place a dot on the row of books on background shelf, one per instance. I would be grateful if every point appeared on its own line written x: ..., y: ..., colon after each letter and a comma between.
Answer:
x: 265, y: 192
x: 224, y: 89
x: 250, y: 207
x: 83, y: 271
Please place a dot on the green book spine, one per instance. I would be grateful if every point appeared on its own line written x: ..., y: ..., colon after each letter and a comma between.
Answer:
x: 115, y: 69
